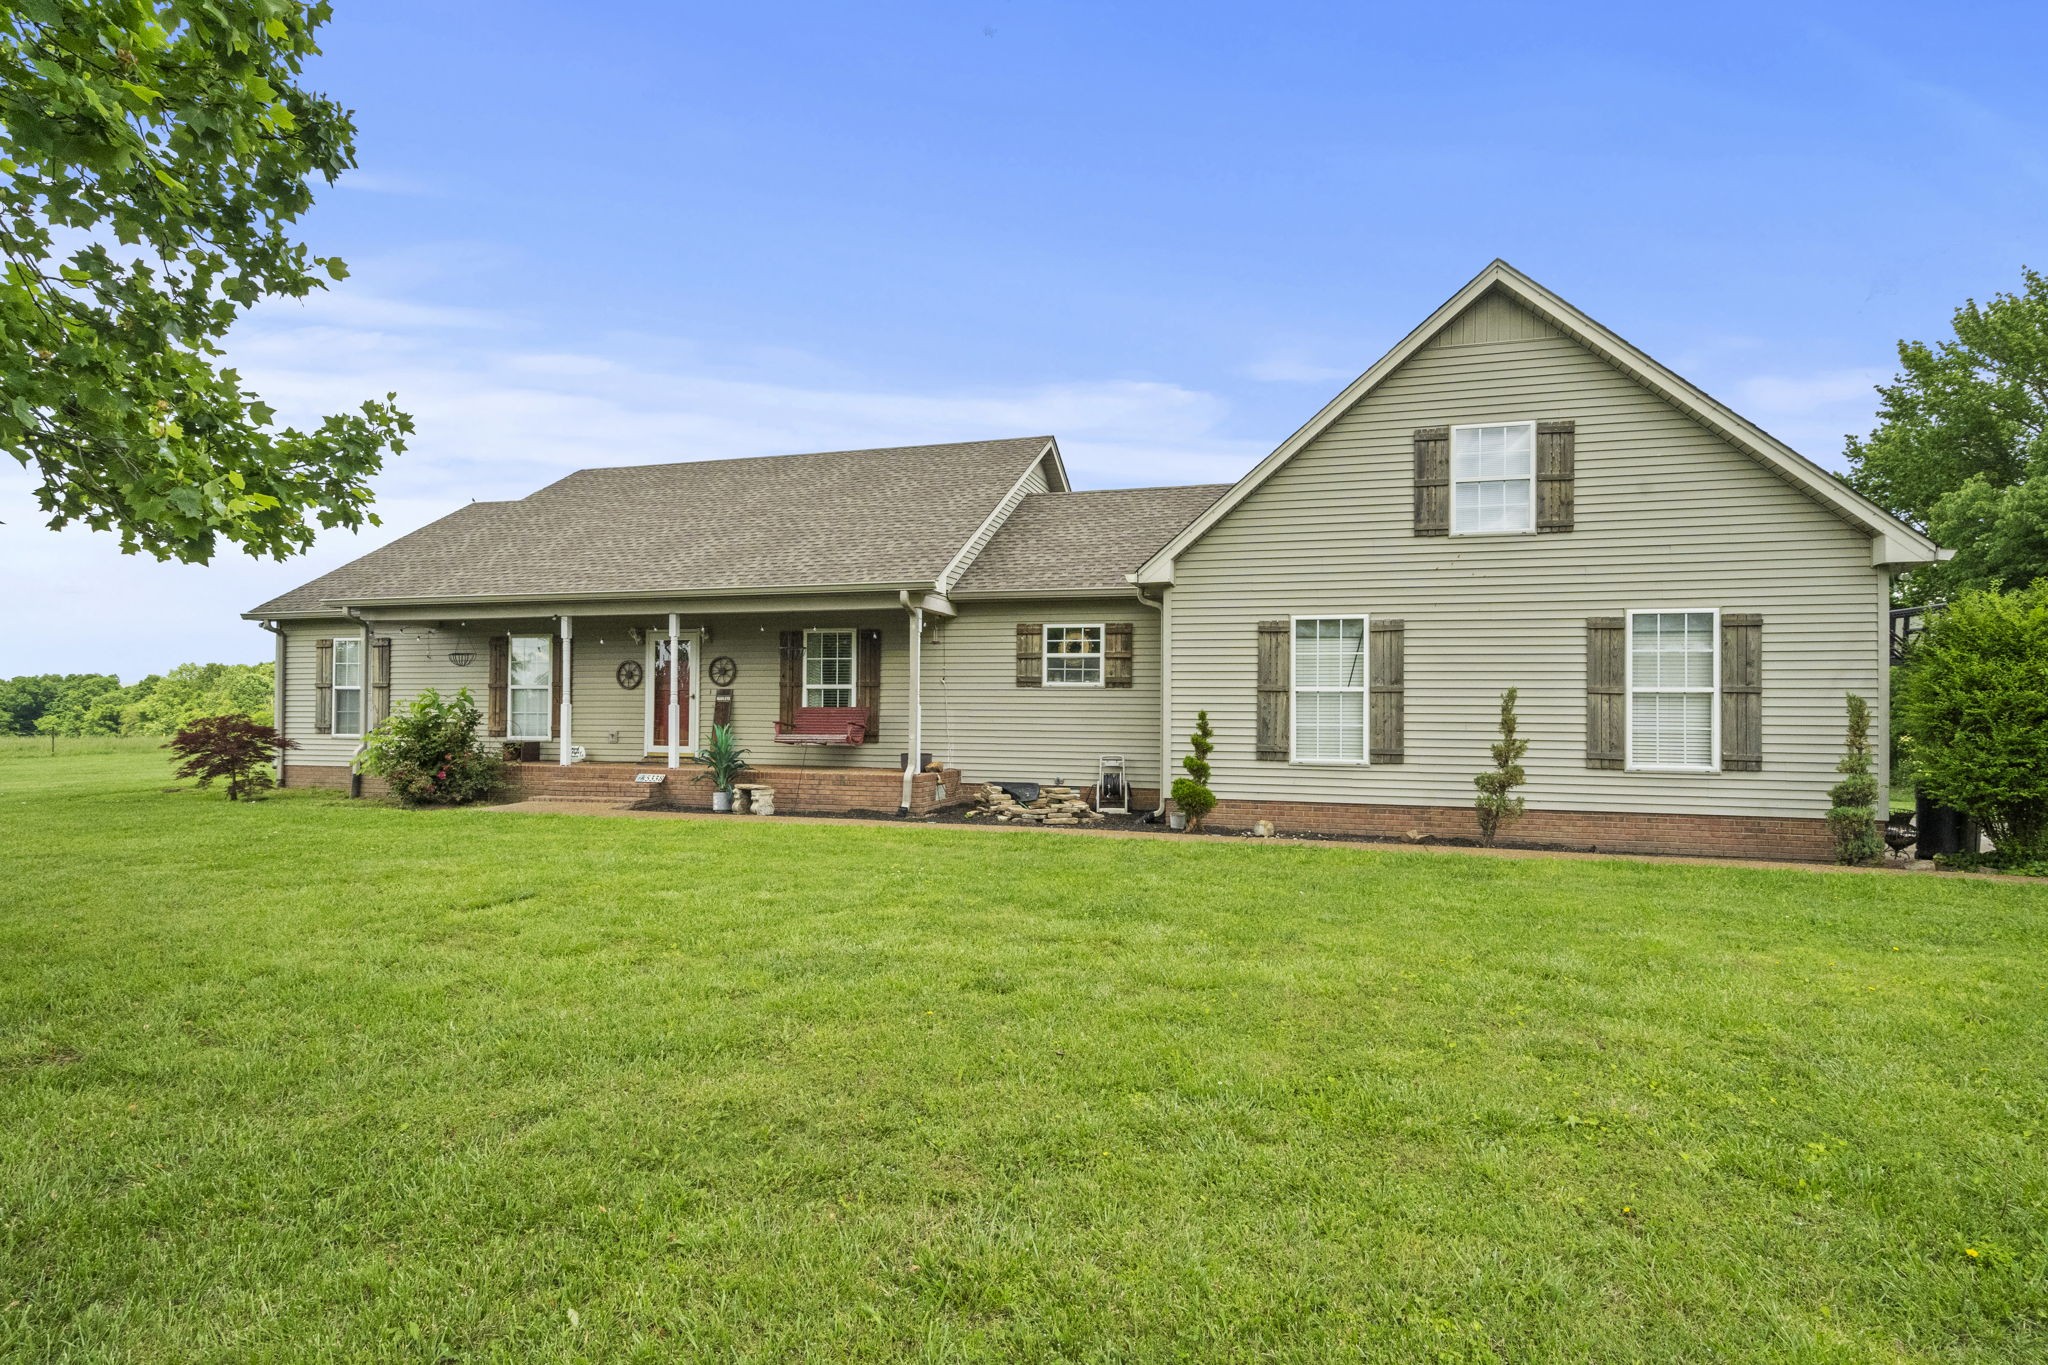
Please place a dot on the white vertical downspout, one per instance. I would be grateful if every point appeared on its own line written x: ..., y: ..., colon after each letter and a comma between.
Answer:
x: 276, y: 628
x: 675, y: 710
x: 1881, y: 704
x: 568, y: 673
x: 1165, y: 606
x: 911, y: 760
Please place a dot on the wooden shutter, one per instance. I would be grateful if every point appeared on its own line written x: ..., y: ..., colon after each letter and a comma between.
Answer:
x: 1030, y: 654
x: 1117, y: 654
x: 1742, y: 693
x: 323, y: 687
x: 499, y: 680
x: 1556, y: 454
x: 1276, y: 666
x: 791, y: 692
x: 1386, y: 684
x: 380, y: 681
x: 1433, y: 481
x: 556, y: 696
x: 867, y: 678
x: 1606, y: 692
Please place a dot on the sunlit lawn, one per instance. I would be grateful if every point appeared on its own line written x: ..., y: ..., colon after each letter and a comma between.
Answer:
x: 306, y: 1079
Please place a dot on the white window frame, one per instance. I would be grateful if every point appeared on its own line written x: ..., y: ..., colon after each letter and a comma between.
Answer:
x: 1713, y: 692
x: 1045, y: 654
x: 1451, y: 458
x: 1294, y: 688
x: 353, y: 642
x: 852, y: 683
x: 512, y: 690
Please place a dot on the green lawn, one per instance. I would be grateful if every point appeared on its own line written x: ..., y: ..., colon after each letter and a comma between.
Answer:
x: 306, y: 1079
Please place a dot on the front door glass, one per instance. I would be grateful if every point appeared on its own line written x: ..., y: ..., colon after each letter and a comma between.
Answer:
x: 660, y: 684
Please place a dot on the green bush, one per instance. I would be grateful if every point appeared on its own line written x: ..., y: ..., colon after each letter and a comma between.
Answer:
x: 428, y: 751
x: 1976, y: 702
x: 1496, y: 806
x: 1853, y: 817
x: 1191, y: 794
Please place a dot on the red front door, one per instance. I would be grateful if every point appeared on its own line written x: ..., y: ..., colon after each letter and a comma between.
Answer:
x: 662, y: 664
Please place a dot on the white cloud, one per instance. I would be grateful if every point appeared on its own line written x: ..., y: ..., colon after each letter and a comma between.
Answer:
x: 1292, y: 367
x: 500, y: 413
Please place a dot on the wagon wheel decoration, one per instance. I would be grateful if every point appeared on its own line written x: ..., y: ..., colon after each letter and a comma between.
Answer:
x: 629, y: 674
x: 723, y: 670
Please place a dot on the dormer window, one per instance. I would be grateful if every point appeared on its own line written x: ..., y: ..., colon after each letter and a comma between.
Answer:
x: 1493, y: 479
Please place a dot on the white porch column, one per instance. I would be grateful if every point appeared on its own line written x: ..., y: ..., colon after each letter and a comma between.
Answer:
x: 675, y: 707
x: 568, y: 676
x: 915, y: 729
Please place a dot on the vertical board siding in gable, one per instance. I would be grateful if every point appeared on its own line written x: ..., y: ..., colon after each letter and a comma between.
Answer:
x: 1493, y: 318
x: 1666, y: 515
x: 977, y: 717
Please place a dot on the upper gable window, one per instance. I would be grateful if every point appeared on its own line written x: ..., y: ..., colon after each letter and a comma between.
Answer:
x: 1493, y: 479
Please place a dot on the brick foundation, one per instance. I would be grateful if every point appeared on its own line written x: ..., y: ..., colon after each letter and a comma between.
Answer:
x: 1727, y: 836
x: 329, y: 778
x: 797, y: 790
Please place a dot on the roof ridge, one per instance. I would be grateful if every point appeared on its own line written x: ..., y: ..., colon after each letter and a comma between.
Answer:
x: 794, y: 455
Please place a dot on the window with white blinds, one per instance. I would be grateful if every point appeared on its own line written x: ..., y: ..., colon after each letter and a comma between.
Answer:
x: 1673, y: 702
x: 348, y: 686
x: 530, y: 686
x: 828, y: 668
x: 1329, y: 689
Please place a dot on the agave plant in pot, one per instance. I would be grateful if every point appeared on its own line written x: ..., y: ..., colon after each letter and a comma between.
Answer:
x: 723, y: 762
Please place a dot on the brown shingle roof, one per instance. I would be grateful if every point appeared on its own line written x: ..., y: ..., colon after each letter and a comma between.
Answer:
x: 841, y: 517
x: 1058, y: 541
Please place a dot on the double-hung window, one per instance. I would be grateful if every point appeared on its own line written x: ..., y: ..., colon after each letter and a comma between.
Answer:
x: 1073, y: 656
x: 1493, y: 479
x: 1329, y: 689
x: 828, y: 668
x: 531, y: 686
x: 1674, y: 708
x: 348, y: 686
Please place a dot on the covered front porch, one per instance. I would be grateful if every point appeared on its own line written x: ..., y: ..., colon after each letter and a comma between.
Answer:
x: 823, y: 691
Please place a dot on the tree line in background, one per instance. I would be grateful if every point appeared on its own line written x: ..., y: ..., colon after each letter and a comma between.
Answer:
x: 76, y: 704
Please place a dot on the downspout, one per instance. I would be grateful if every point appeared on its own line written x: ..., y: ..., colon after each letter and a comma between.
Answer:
x: 1165, y: 700
x: 911, y: 760
x: 355, y: 772
x: 277, y: 691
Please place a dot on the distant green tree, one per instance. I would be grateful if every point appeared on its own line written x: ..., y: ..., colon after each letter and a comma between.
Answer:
x: 77, y: 707
x: 1961, y: 445
x: 97, y: 704
x: 190, y: 691
x: 23, y: 701
x: 154, y: 155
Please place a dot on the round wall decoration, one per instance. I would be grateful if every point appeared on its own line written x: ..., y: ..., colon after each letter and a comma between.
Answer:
x: 629, y: 674
x: 723, y: 670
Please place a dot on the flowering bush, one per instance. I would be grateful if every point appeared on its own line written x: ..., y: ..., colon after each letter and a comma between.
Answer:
x: 428, y: 752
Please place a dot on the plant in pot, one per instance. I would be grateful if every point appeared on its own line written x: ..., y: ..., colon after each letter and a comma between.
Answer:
x: 723, y: 763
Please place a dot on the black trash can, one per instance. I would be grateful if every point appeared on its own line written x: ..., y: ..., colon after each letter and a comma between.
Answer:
x: 1941, y: 830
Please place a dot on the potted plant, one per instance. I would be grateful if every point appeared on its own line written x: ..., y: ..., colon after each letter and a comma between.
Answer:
x: 723, y: 762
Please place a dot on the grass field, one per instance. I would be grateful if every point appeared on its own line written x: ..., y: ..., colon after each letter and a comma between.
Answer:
x: 306, y: 1080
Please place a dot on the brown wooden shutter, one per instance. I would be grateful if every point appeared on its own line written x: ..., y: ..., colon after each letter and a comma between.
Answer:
x: 1742, y: 693
x: 791, y: 691
x: 1030, y: 654
x: 556, y: 695
x: 323, y: 687
x: 380, y: 681
x: 867, y: 678
x: 1556, y: 455
x: 1276, y: 667
x: 1117, y: 653
x: 1433, y: 481
x: 1606, y: 692
x: 1387, y: 683
x: 499, y: 680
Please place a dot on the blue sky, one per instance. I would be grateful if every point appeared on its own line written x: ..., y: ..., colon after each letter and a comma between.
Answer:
x: 622, y: 233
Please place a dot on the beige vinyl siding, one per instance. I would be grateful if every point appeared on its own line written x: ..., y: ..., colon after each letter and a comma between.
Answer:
x: 1668, y: 516
x: 1034, y: 481
x: 300, y: 696
x: 975, y: 715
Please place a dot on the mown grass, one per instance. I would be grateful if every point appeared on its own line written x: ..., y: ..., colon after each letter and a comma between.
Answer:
x: 309, y: 1080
